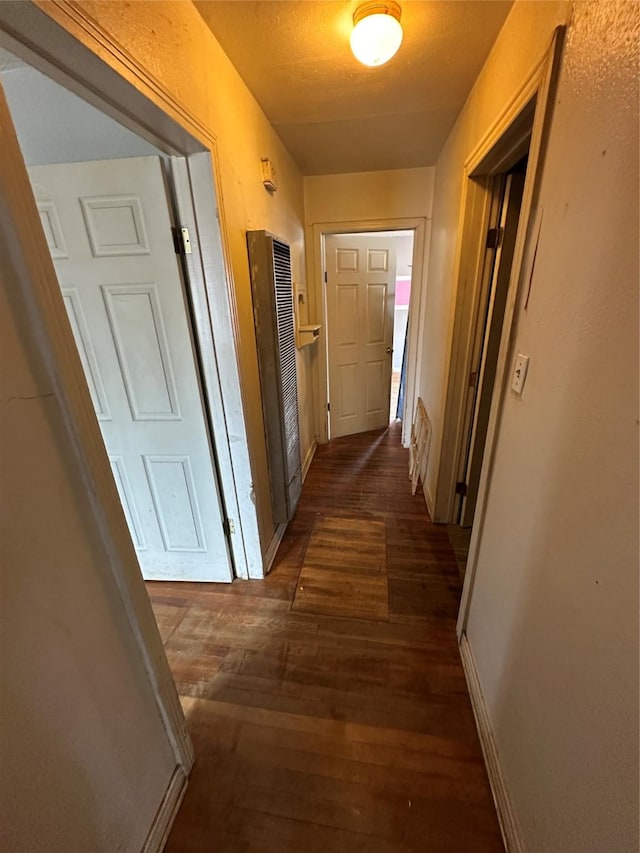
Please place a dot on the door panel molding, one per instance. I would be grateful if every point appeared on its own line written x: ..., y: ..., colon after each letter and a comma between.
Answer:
x: 129, y: 506
x: 107, y: 237
x: 157, y: 468
x: 139, y: 388
x: 78, y: 321
x: 52, y: 229
x: 376, y: 313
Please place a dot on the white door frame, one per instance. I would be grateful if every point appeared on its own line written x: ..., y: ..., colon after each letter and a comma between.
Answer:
x: 488, y: 158
x: 215, y: 328
x: 151, y: 111
x: 421, y: 227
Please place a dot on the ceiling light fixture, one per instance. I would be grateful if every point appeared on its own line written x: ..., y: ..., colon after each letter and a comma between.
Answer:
x: 377, y: 32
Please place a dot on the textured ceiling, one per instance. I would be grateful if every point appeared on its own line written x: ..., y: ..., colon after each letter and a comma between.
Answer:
x: 335, y: 115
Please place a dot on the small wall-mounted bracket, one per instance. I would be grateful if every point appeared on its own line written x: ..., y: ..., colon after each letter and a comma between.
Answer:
x: 307, y: 335
x: 269, y: 175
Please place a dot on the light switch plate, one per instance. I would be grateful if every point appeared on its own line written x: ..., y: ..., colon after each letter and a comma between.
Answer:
x: 519, y: 373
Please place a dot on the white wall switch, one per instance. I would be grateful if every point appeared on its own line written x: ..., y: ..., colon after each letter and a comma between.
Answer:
x: 519, y: 373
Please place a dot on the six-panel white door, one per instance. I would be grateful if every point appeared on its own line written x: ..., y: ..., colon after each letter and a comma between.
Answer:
x: 108, y: 228
x: 361, y: 284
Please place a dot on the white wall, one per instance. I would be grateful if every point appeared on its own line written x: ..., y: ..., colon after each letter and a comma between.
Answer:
x: 85, y: 758
x: 554, y: 613
x: 404, y: 254
x: 205, y: 83
x: 56, y: 126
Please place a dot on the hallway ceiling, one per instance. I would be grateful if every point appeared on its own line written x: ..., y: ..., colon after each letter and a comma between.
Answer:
x: 335, y: 115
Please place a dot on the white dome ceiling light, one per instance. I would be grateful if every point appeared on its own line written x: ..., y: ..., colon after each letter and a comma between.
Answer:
x: 377, y: 32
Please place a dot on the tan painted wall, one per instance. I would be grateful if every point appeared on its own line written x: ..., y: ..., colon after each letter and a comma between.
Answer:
x: 554, y: 612
x: 368, y: 195
x: 205, y: 83
x: 85, y: 758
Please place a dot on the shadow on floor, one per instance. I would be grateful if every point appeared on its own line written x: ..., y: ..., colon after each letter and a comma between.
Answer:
x: 344, y: 725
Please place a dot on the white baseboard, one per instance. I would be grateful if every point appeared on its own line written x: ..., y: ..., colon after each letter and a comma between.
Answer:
x: 166, y: 814
x: 506, y: 816
x: 272, y: 550
x: 309, y: 459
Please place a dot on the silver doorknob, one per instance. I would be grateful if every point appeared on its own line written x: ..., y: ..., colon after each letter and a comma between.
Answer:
x: 389, y: 350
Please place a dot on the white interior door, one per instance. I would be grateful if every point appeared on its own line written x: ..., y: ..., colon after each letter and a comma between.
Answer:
x: 108, y: 228
x: 361, y: 285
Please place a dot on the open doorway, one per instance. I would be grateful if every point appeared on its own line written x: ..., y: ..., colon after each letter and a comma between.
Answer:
x: 504, y: 216
x: 491, y: 239
x: 496, y: 274
x: 367, y: 294
x: 105, y: 200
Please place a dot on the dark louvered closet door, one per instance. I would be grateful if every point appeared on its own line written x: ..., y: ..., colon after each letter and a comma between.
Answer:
x: 272, y: 292
x: 287, y: 354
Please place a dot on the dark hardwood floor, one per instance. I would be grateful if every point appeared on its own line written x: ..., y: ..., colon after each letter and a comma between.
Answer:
x: 327, y: 704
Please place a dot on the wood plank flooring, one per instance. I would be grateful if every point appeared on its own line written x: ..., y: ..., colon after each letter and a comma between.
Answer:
x: 332, y: 733
x: 347, y: 581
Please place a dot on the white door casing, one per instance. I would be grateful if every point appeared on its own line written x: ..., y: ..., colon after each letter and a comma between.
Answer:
x: 108, y: 228
x: 360, y: 294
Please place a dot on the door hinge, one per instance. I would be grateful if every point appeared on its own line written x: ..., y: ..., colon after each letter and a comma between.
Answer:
x: 328, y: 407
x: 494, y: 238
x: 461, y: 489
x: 325, y: 276
x: 473, y: 378
x: 181, y: 240
x: 228, y: 526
